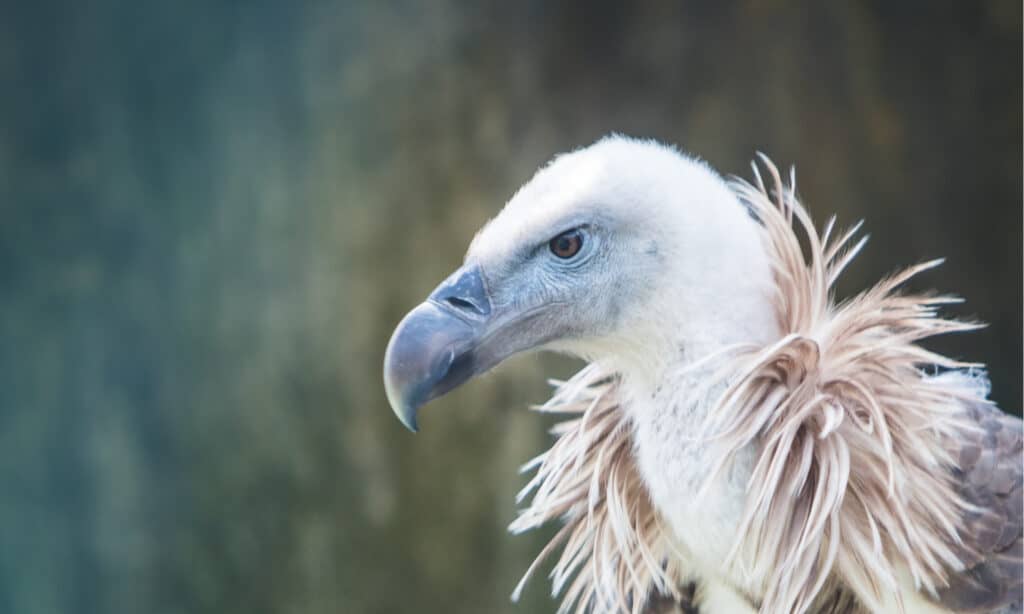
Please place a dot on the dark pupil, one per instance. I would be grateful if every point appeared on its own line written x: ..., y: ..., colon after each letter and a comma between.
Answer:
x: 566, y: 245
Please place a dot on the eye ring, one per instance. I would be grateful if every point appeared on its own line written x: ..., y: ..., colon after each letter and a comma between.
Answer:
x: 567, y: 244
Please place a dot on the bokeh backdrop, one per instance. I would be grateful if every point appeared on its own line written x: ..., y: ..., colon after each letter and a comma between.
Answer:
x: 212, y: 214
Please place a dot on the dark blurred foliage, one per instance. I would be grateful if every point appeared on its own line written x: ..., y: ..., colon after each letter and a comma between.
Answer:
x: 212, y: 215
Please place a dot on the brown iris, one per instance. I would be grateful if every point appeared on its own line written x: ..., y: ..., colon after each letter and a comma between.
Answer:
x: 567, y: 244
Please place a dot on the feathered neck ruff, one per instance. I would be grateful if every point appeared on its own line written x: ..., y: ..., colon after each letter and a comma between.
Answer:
x: 850, y: 483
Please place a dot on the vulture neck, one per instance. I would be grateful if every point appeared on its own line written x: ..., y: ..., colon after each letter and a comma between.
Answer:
x: 668, y: 400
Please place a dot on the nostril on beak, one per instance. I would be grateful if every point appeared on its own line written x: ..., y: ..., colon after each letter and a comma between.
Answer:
x: 461, y: 304
x: 465, y: 293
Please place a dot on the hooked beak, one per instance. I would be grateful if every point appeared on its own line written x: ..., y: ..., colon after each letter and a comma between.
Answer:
x: 437, y: 345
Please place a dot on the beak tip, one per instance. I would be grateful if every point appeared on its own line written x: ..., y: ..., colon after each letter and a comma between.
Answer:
x: 407, y: 416
x: 419, y: 357
x: 405, y: 410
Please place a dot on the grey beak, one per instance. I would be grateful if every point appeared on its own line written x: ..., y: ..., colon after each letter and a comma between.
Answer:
x: 431, y: 351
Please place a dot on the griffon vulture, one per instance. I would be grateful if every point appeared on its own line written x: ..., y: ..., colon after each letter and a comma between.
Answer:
x: 739, y: 441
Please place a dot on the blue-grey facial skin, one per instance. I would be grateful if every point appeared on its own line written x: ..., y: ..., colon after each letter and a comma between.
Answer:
x: 501, y: 304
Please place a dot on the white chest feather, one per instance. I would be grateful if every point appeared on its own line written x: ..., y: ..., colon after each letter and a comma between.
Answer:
x: 674, y: 461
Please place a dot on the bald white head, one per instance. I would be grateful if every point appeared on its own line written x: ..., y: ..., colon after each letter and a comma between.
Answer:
x: 671, y: 260
x: 625, y: 251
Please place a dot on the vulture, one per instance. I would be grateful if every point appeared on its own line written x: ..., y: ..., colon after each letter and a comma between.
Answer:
x: 740, y: 440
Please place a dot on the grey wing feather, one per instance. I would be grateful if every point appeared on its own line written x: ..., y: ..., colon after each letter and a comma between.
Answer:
x: 991, y: 473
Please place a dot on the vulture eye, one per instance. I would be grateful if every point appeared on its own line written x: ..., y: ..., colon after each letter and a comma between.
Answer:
x: 567, y: 244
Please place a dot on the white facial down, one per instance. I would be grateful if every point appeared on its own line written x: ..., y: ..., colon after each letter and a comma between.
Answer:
x: 671, y: 261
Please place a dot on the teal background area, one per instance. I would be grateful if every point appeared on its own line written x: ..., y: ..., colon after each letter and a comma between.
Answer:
x: 212, y: 215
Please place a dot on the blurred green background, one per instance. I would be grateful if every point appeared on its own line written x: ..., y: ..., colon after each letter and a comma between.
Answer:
x: 213, y: 214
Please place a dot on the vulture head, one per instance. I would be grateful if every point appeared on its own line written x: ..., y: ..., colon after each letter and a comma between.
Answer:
x: 737, y: 428
x: 625, y: 252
